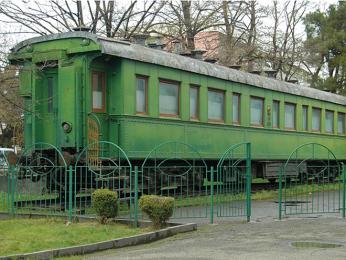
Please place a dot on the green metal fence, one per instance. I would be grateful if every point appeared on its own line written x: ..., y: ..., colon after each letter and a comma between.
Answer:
x: 102, y: 165
x: 312, y: 181
x: 177, y: 170
x: 233, y: 182
x: 38, y: 182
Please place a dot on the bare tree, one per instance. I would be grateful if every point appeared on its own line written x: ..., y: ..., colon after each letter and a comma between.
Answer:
x: 285, y: 52
x: 109, y: 18
x: 185, y: 19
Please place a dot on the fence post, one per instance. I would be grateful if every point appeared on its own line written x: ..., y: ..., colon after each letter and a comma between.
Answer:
x: 70, y: 194
x: 212, y: 195
x: 248, y: 181
x: 280, y: 192
x: 12, y: 173
x: 343, y: 190
x: 136, y: 198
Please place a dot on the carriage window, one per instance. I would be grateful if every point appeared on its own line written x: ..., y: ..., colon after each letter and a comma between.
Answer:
x: 98, y: 83
x: 50, y: 95
x: 341, y: 123
x: 329, y: 121
x: 141, y: 95
x: 305, y: 118
x: 169, y: 98
x: 256, y: 111
x: 236, y: 108
x: 316, y: 119
x: 290, y: 116
x: 276, y: 114
x: 216, y: 105
x: 194, y: 102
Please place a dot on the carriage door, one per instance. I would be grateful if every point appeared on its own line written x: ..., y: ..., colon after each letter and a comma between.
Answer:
x: 46, y: 96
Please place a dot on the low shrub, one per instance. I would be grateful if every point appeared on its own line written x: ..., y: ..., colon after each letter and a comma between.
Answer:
x: 158, y: 208
x: 104, y: 203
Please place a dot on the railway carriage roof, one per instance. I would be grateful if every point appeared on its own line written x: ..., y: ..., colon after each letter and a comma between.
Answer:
x: 140, y: 53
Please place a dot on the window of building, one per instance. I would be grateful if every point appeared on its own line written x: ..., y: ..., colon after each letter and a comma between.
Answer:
x: 256, y: 111
x: 99, y: 89
x: 290, y: 116
x: 216, y: 105
x: 305, y: 118
x: 169, y: 98
x: 341, y: 123
x: 236, y: 108
x: 329, y: 123
x: 276, y: 114
x: 316, y: 119
x: 194, y: 94
x: 141, y: 94
x: 50, y: 94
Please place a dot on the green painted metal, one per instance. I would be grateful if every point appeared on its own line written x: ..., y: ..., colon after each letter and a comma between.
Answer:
x: 233, y: 196
x: 103, y: 165
x: 212, y: 195
x: 343, y: 191
x: 136, y: 198
x: 120, y: 123
x: 171, y: 169
x: 311, y: 186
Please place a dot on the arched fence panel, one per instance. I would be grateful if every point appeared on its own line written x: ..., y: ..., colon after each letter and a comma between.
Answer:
x: 312, y: 181
x: 233, y: 182
x: 38, y: 181
x: 102, y: 165
x: 177, y: 170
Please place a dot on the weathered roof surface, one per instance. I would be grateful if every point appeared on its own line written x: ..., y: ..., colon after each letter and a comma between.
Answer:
x: 144, y: 54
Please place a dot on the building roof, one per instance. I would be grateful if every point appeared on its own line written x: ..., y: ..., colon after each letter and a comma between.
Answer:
x: 144, y: 54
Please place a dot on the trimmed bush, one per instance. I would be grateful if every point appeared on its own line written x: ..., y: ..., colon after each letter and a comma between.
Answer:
x: 104, y: 203
x: 158, y: 208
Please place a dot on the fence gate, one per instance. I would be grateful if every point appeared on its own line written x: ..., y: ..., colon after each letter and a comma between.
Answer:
x: 311, y: 181
x: 233, y: 182
x: 110, y: 168
x: 176, y: 169
x: 38, y: 183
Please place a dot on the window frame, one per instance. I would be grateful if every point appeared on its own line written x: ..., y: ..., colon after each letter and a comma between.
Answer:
x: 103, y: 109
x: 325, y: 121
x: 173, y: 82
x: 224, y: 105
x: 344, y: 115
x: 145, y: 78
x: 307, y: 118
x: 194, y: 86
x: 262, y: 99
x: 295, y: 116
x: 239, y: 106
x: 312, y: 117
x: 275, y: 101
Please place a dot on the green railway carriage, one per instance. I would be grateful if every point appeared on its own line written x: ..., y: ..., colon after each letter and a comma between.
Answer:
x: 141, y: 97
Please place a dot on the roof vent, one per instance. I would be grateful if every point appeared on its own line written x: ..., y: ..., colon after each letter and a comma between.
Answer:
x: 140, y: 38
x: 271, y: 73
x: 235, y: 67
x: 186, y: 54
x: 294, y: 81
x: 198, y: 54
x: 81, y: 28
x: 256, y: 72
x: 154, y: 45
x: 177, y: 47
x: 210, y: 60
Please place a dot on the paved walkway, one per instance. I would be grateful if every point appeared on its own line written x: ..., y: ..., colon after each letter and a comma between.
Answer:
x: 240, y: 240
x: 263, y: 238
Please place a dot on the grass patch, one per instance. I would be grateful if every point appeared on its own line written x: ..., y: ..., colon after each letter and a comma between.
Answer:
x: 29, y: 235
